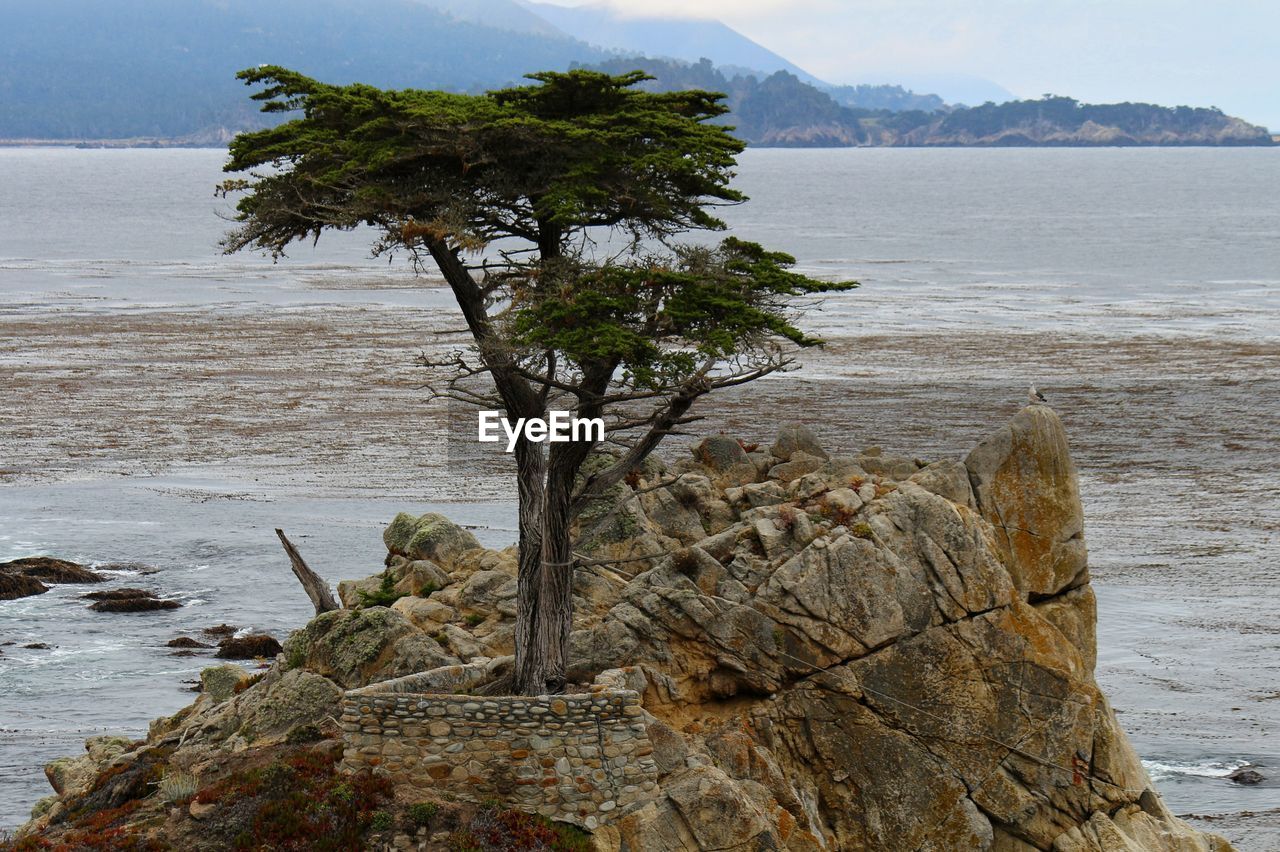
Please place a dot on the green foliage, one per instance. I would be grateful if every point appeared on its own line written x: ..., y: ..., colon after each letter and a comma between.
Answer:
x: 474, y: 619
x: 386, y: 594
x: 659, y: 317
x: 381, y: 821
x: 422, y: 813
x: 428, y: 589
x: 296, y: 656
x: 581, y: 149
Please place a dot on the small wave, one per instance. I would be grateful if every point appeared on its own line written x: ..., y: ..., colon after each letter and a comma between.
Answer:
x: 1165, y: 770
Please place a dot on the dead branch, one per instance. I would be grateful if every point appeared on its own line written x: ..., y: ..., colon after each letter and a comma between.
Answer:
x: 317, y: 589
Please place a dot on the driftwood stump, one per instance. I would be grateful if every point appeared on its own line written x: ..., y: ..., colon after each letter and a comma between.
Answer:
x: 317, y: 589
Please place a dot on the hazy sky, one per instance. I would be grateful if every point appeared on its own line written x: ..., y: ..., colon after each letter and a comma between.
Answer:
x: 1223, y: 53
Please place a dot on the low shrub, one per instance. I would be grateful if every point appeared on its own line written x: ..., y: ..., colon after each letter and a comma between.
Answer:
x: 423, y: 813
x: 386, y: 594
x: 177, y: 787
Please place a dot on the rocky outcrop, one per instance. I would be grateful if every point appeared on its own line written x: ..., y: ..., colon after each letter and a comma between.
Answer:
x: 32, y: 575
x: 1025, y: 485
x: 357, y: 647
x: 832, y: 652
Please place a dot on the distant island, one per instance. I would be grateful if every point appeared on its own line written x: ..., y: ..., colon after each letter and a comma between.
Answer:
x: 161, y: 73
x: 781, y: 110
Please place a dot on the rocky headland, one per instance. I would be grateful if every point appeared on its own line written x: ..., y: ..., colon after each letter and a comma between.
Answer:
x: 773, y: 649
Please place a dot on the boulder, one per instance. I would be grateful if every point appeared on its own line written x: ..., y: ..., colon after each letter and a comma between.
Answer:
x: 350, y: 591
x: 420, y: 577
x: 105, y: 748
x: 1025, y: 485
x: 720, y: 453
x: 675, y: 513
x: 949, y: 479
x: 359, y: 647
x: 426, y: 614
x: 1247, y: 777
x: 71, y: 776
x: 298, y: 697
x: 249, y: 647
x: 220, y: 682
x: 431, y: 536
x: 800, y: 463
x: 118, y: 595
x: 796, y: 437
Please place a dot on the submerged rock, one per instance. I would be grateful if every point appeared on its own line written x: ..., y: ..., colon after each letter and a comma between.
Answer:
x: 186, y: 642
x: 50, y: 570
x: 1247, y: 776
x: 134, y: 604
x: 118, y: 595
x: 14, y: 586
x: 248, y: 647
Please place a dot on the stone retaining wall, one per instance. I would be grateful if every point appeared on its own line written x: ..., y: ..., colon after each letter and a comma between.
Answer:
x: 584, y: 759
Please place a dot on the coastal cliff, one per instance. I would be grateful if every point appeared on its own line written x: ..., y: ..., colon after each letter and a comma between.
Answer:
x: 774, y: 648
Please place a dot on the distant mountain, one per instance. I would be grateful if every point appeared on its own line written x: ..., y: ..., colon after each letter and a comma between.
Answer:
x: 165, y: 68
x: 670, y: 38
x: 501, y: 14
x: 892, y: 98
x: 963, y: 89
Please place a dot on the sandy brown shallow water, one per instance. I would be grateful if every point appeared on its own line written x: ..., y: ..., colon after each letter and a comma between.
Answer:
x: 1177, y: 472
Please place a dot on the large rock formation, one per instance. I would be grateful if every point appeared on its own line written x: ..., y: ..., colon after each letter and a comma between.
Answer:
x: 834, y: 653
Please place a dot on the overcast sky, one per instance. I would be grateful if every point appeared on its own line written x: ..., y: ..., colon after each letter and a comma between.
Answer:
x: 1223, y: 53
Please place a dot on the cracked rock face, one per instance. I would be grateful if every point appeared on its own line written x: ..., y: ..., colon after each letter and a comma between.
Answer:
x: 861, y: 662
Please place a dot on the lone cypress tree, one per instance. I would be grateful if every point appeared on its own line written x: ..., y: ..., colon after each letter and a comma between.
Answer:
x: 502, y: 192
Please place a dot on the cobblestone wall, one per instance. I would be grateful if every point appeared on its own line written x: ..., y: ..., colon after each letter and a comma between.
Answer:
x: 584, y: 759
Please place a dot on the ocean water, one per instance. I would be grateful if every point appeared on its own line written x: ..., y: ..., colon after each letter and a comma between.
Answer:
x: 166, y: 407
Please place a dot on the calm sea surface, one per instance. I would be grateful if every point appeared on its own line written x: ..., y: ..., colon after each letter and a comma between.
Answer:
x: 165, y: 407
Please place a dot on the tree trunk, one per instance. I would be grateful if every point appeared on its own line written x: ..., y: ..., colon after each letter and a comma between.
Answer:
x: 543, y: 666
x: 548, y: 654
x: 531, y: 469
x: 317, y: 589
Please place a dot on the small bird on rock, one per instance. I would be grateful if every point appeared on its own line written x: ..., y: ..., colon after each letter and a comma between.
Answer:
x: 1035, y: 397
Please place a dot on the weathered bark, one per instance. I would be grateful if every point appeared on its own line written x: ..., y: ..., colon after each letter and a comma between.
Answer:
x: 316, y: 587
x: 546, y: 657
x: 541, y: 667
x: 531, y: 468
